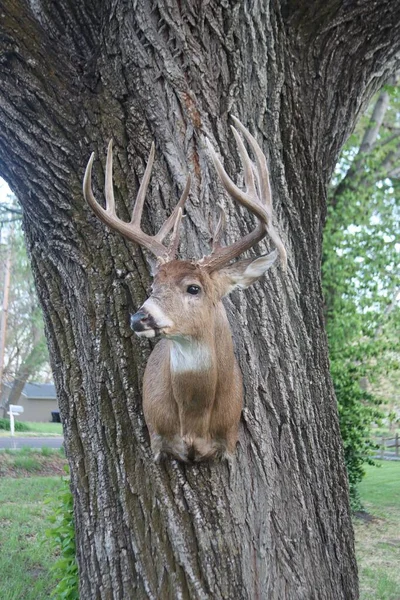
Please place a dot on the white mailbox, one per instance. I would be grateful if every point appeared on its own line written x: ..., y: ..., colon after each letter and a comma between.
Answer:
x: 15, y: 410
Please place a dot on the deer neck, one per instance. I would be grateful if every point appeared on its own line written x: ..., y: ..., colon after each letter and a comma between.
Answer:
x: 206, y: 352
x: 198, y: 366
x: 189, y: 355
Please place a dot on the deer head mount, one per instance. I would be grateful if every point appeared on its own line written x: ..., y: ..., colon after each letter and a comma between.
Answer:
x: 192, y: 387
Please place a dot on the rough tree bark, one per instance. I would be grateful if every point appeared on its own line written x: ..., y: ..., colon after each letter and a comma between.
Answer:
x: 73, y: 74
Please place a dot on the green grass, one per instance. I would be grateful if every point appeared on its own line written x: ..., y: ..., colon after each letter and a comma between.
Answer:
x: 15, y: 452
x: 26, y: 450
x: 25, y: 560
x: 378, y: 541
x: 27, y: 463
x: 52, y: 428
x: 18, y: 451
x: 27, y: 429
x: 380, y: 488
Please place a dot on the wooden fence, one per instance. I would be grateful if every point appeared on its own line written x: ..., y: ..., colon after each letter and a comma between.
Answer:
x: 389, y: 446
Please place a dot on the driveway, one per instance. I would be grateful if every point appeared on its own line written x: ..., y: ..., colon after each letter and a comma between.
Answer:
x: 31, y: 442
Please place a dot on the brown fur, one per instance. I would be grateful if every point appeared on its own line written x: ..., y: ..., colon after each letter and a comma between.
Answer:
x: 192, y: 415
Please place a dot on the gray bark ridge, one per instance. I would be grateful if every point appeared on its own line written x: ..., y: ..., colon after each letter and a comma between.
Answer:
x: 72, y: 75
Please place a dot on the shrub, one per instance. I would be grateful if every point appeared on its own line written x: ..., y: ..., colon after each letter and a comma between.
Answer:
x: 358, y: 410
x: 18, y: 425
x: 62, y: 536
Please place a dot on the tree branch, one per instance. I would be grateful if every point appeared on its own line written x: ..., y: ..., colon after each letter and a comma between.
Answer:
x: 368, y: 36
x: 368, y: 143
x: 371, y: 133
x: 389, y: 139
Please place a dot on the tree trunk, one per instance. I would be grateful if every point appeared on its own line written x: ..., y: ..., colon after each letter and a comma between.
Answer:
x: 277, y: 524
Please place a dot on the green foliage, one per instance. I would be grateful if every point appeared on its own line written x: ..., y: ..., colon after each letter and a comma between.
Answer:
x: 357, y: 410
x: 62, y: 535
x: 27, y: 463
x: 26, y: 354
x: 361, y: 278
x: 18, y: 425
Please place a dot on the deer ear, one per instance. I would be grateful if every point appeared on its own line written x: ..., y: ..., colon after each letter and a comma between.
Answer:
x: 153, y: 265
x: 245, y: 272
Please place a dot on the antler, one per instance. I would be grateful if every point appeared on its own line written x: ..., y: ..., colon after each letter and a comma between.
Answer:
x: 259, y: 203
x: 132, y: 230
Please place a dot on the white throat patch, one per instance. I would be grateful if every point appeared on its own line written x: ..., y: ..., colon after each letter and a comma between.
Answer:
x: 189, y: 356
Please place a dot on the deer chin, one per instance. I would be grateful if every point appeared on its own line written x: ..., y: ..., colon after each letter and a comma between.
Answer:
x: 155, y: 332
x: 146, y: 333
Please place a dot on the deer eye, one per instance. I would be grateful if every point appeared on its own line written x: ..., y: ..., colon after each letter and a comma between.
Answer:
x: 193, y: 289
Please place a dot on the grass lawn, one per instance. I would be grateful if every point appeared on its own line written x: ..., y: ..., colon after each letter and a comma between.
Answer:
x: 37, y: 430
x: 24, y: 558
x: 378, y: 539
x: 53, y: 428
x: 28, y: 461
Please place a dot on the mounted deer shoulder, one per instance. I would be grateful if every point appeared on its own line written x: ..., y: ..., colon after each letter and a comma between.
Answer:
x: 192, y: 387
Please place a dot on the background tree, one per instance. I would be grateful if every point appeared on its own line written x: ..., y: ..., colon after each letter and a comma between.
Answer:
x: 361, y: 276
x: 298, y: 75
x: 26, y: 356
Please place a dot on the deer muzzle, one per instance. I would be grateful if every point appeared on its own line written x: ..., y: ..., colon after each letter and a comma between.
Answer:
x: 143, y: 324
x: 150, y: 320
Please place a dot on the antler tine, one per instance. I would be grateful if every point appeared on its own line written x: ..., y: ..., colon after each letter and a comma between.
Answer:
x: 109, y: 190
x: 262, y: 168
x: 273, y: 234
x: 232, y: 189
x: 174, y: 242
x: 219, y: 230
x: 132, y: 229
x: 247, y: 165
x: 170, y: 222
x: 138, y: 208
x: 260, y: 204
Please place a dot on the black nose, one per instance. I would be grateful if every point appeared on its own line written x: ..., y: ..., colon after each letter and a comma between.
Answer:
x: 141, y: 321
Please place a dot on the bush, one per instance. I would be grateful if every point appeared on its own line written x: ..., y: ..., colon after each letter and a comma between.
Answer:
x: 62, y: 536
x: 5, y: 425
x: 358, y: 410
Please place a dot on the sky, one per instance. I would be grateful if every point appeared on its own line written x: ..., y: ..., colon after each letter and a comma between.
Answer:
x: 4, y: 199
x: 4, y: 191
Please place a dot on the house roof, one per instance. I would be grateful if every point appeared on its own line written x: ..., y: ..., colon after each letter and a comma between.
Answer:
x: 39, y: 390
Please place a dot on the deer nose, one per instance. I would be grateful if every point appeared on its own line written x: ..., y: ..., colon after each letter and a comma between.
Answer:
x: 141, y: 321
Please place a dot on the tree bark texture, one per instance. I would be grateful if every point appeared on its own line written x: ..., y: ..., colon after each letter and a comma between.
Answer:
x: 74, y: 74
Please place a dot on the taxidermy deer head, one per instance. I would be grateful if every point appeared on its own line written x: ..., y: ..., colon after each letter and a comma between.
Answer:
x: 192, y: 387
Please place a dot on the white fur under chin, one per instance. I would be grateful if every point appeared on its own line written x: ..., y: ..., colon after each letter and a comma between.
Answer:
x: 147, y: 333
x: 189, y: 355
